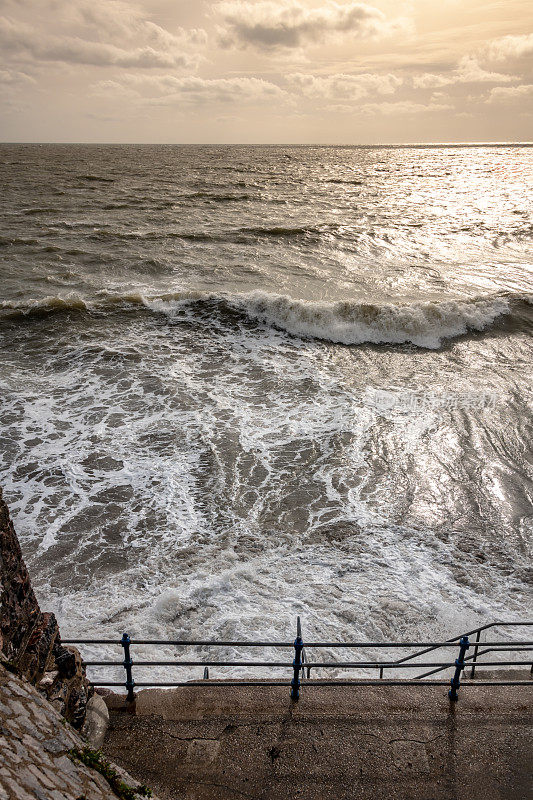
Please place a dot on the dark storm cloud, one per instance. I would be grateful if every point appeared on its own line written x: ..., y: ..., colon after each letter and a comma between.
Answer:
x: 290, y: 24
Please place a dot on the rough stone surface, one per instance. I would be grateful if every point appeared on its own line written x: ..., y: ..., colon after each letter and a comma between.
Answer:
x: 35, y: 741
x: 96, y: 721
x: 30, y: 641
x: 356, y: 743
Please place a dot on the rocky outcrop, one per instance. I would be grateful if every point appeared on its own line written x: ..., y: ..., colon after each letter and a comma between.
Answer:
x: 30, y: 641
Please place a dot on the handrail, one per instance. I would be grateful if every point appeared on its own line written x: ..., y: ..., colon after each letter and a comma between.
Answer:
x: 471, y: 658
x: 476, y: 652
x: 301, y: 665
x: 477, y: 631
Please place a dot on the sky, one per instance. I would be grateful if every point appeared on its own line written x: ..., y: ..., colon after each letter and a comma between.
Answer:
x: 266, y: 71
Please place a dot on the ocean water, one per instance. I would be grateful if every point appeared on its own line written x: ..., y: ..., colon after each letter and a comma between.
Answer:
x: 240, y: 384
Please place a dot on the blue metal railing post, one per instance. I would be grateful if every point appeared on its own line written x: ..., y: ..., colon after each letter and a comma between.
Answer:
x: 297, y: 663
x: 459, y: 667
x: 128, y: 663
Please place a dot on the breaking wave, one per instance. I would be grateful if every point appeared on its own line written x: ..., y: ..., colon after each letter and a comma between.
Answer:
x: 424, y: 324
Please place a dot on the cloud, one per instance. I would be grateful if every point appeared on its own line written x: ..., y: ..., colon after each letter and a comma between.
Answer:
x: 340, y: 108
x: 468, y: 70
x: 99, y: 34
x: 169, y: 90
x: 402, y: 108
x: 24, y: 40
x: 268, y: 25
x: 509, y: 47
x: 508, y: 94
x: 117, y: 19
x: 342, y: 86
x: 172, y: 90
x: 113, y: 18
x: 16, y: 79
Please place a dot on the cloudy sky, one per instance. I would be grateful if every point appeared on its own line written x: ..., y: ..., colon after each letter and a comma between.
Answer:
x: 325, y: 71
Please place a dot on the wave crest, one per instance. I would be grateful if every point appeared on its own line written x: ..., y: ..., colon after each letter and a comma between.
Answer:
x: 425, y: 324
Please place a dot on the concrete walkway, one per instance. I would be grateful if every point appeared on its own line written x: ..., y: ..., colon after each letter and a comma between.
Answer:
x: 355, y: 743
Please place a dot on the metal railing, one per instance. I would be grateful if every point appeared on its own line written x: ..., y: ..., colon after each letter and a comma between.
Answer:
x: 301, y: 666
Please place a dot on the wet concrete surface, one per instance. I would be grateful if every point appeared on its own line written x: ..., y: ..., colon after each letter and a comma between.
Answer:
x: 349, y: 743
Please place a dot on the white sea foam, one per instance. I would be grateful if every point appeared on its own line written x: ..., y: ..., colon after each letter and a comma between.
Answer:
x: 172, y: 498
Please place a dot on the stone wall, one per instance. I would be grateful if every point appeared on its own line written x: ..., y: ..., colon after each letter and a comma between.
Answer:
x: 37, y: 746
x: 30, y: 641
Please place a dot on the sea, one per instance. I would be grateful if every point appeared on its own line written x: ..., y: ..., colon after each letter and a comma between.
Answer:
x: 241, y: 384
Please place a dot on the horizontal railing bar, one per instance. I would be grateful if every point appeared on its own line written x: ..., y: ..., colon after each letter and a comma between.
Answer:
x: 335, y: 664
x: 521, y: 649
x: 315, y: 682
x: 180, y: 643
x: 413, y: 644
x: 191, y: 663
x: 91, y: 641
x: 395, y: 665
x: 133, y: 642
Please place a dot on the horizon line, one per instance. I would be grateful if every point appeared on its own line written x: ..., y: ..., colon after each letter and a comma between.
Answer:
x: 514, y: 143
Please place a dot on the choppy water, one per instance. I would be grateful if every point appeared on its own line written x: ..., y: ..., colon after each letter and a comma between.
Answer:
x: 240, y: 384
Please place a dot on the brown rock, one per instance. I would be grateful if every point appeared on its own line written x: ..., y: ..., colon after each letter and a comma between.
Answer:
x: 30, y: 641
x: 20, y: 610
x: 38, y: 652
